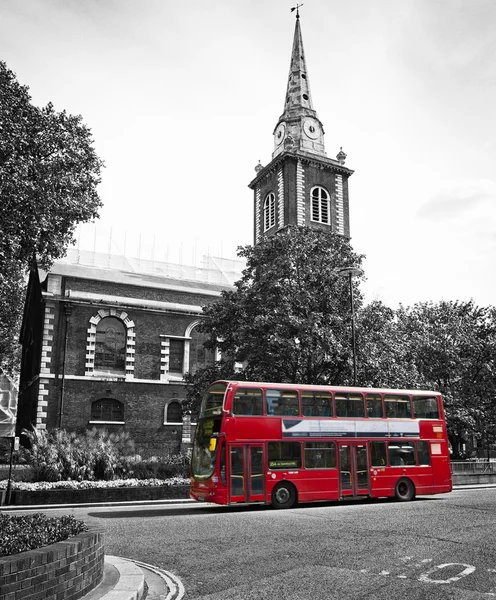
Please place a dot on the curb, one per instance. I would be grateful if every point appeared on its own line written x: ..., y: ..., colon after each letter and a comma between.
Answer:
x: 15, y: 507
x: 125, y: 579
x: 130, y: 584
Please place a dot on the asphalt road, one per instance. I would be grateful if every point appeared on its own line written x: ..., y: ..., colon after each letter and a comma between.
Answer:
x: 439, y: 547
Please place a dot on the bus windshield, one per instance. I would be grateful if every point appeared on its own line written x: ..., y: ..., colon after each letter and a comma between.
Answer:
x: 213, y: 400
x: 205, y: 448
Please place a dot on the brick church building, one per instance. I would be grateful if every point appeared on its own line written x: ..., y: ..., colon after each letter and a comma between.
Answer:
x: 107, y: 339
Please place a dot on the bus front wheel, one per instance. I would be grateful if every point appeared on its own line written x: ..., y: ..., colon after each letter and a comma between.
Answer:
x: 283, y: 495
x: 404, y: 490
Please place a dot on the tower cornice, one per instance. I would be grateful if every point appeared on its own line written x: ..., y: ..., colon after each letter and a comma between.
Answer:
x: 305, y: 158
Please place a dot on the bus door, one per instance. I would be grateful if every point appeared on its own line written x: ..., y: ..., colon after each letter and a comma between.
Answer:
x: 353, y: 469
x: 246, y: 473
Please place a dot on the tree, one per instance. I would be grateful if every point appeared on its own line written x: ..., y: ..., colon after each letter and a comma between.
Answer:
x: 288, y: 318
x: 453, y: 347
x: 384, y: 359
x: 49, y: 172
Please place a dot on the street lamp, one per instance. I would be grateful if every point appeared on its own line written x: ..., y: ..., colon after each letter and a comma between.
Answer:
x: 351, y: 272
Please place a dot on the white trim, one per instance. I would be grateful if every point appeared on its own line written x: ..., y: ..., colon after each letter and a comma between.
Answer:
x: 300, y: 194
x: 107, y: 422
x: 339, y: 205
x: 258, y: 214
x: 133, y: 302
x: 91, y: 345
x: 280, y: 198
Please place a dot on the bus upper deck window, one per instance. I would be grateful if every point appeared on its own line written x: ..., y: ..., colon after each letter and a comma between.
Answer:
x: 316, y: 404
x: 282, y: 402
x: 247, y: 402
x: 349, y: 405
x: 374, y: 406
x: 425, y: 407
x: 398, y: 407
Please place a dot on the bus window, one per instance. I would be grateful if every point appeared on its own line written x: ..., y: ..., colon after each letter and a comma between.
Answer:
x: 247, y: 402
x: 222, y: 465
x: 398, y: 407
x: 282, y: 402
x: 378, y: 454
x: 423, y: 455
x: 316, y: 404
x: 349, y: 405
x: 284, y: 455
x: 212, y: 400
x: 374, y: 406
x: 401, y: 454
x: 425, y: 407
x: 320, y: 455
x: 204, y: 453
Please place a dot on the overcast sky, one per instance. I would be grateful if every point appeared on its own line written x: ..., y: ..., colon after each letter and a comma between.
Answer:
x: 182, y: 98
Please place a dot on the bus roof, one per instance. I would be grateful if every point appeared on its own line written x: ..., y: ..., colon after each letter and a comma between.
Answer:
x: 324, y: 387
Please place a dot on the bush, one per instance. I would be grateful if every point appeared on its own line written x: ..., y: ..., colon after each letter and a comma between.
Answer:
x: 60, y: 455
x: 175, y: 465
x: 28, y: 532
x: 38, y: 486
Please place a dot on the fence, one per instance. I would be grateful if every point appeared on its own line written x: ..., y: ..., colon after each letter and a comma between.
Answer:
x: 477, y: 466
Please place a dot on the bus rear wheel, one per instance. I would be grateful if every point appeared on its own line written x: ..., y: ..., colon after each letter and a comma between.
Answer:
x: 404, y: 490
x: 283, y: 495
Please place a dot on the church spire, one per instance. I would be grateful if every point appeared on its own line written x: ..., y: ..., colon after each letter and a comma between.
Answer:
x: 298, y: 128
x: 298, y: 95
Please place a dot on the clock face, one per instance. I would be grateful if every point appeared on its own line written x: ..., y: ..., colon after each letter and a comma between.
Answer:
x: 279, y: 133
x: 311, y: 129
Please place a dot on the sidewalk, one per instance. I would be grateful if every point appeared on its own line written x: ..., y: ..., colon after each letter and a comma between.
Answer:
x: 131, y: 580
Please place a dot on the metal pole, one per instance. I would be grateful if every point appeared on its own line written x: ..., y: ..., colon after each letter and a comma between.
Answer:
x: 8, y: 491
x: 353, y: 344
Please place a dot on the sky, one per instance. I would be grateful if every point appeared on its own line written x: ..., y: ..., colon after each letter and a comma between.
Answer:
x: 182, y: 98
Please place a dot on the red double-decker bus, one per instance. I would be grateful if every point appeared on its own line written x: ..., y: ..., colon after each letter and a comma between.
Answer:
x: 281, y: 443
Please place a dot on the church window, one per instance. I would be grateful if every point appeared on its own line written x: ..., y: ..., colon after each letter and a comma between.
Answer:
x: 199, y: 356
x: 269, y: 211
x: 110, y: 346
x: 176, y: 355
x: 107, y: 410
x: 173, y: 412
x: 321, y: 209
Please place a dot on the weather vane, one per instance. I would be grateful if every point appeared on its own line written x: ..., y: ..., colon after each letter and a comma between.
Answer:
x: 296, y: 9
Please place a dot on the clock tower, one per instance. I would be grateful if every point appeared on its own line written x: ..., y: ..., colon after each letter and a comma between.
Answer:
x: 301, y: 185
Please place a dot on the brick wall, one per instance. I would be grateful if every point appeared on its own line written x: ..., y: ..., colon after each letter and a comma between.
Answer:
x: 63, y: 571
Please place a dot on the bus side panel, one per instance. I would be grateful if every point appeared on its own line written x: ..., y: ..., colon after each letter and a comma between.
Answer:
x: 253, y: 428
x: 383, y: 480
x: 314, y: 485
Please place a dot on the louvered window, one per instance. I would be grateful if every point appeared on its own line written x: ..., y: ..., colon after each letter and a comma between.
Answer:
x: 269, y: 211
x: 321, y: 206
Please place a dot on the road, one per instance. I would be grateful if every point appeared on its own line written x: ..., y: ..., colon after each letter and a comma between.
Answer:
x: 438, y: 547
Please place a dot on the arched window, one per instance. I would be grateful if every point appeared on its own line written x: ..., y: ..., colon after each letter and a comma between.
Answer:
x: 107, y: 409
x: 321, y: 206
x: 199, y: 356
x: 173, y: 412
x: 269, y: 211
x: 110, y: 346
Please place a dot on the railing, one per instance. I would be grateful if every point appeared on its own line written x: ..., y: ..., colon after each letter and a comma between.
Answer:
x: 479, y: 465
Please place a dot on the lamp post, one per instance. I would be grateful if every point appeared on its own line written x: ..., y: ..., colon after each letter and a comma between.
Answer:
x: 351, y: 272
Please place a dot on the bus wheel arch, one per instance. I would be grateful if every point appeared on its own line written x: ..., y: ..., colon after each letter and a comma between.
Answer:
x: 404, y: 490
x: 284, y: 495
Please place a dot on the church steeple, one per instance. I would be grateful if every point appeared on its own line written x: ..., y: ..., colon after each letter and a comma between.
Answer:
x: 298, y: 127
x: 300, y: 186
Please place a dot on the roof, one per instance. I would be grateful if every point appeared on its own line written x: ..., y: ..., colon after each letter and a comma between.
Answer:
x: 215, y: 275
